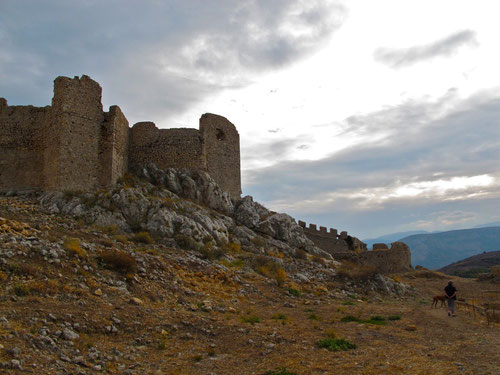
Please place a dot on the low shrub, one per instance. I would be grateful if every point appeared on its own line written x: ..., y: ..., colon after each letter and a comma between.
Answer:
x: 394, y: 317
x: 142, y: 237
x: 258, y: 241
x: 21, y: 290
x: 300, y: 254
x: 72, y: 245
x: 119, y: 260
x: 349, y: 318
x: 348, y: 303
x: 252, y: 319
x: 377, y: 320
x: 22, y: 269
x: 294, y: 292
x: 279, y: 316
x: 335, y: 345
x: 279, y: 371
x: 187, y: 243
x: 356, y: 271
x: 313, y: 316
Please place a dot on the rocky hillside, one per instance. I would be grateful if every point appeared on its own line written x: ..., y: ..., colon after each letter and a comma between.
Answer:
x: 472, y: 266
x: 165, y: 274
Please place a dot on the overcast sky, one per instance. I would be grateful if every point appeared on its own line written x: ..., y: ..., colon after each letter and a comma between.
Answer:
x: 368, y: 116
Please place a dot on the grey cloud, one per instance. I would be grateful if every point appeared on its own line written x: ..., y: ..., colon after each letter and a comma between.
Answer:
x: 420, y: 144
x: 145, y: 53
x: 399, y: 58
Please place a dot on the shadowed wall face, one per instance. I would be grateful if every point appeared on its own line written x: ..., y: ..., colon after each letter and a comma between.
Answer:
x: 221, y: 150
x: 114, y: 147
x: 73, y: 134
x: 167, y: 148
x: 21, y: 145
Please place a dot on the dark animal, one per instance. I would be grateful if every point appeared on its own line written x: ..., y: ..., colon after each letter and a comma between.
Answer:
x: 436, y: 299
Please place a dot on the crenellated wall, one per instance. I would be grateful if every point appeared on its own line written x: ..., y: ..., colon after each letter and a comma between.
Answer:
x: 330, y: 240
x: 74, y: 145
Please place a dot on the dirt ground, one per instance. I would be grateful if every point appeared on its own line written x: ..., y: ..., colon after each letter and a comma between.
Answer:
x: 186, y: 317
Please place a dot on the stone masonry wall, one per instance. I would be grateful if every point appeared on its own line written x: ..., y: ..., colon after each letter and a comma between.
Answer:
x: 74, y: 145
x: 167, y: 148
x: 326, y: 240
x: 393, y: 260
x: 221, y: 151
x: 74, y: 130
x: 114, y: 147
x: 21, y: 144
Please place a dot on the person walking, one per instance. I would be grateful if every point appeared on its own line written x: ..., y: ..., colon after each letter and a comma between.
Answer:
x: 451, y: 296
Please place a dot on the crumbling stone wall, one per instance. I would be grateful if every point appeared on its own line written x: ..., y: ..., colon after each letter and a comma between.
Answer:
x: 221, y: 151
x: 326, y: 240
x: 331, y: 241
x: 73, y: 134
x: 21, y: 145
x: 393, y: 260
x: 167, y: 148
x: 113, y: 158
x: 74, y: 145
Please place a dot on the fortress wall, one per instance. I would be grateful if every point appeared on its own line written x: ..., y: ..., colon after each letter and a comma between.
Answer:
x: 325, y: 240
x: 388, y: 261
x: 21, y: 144
x: 73, y: 132
x: 167, y: 148
x: 221, y: 151
x: 113, y: 157
x: 396, y: 259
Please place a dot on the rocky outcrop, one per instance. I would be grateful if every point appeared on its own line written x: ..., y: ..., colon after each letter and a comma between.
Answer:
x: 176, y: 204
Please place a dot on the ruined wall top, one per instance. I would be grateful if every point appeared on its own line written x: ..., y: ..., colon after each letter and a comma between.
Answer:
x: 78, y: 146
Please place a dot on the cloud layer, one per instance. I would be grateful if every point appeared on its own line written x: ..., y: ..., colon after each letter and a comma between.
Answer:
x: 399, y: 58
x: 431, y: 157
x: 155, y: 58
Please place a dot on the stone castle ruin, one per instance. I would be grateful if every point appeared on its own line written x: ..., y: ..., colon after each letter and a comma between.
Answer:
x: 344, y: 247
x: 74, y: 145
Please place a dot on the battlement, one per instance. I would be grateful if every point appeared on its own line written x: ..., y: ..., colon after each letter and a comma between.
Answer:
x: 74, y: 145
x: 312, y: 228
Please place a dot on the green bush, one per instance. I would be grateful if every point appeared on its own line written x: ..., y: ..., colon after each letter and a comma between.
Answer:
x: 335, y: 345
x: 313, y: 316
x: 394, y: 317
x: 142, y: 237
x: 21, y: 290
x: 280, y: 317
x: 252, y: 319
x: 280, y: 371
x: 349, y: 318
x: 294, y: 292
x: 348, y: 303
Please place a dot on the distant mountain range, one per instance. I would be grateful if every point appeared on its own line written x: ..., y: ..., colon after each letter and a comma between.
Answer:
x: 438, y: 249
x: 473, y: 265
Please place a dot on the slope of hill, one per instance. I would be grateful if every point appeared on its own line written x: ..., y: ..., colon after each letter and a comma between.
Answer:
x: 473, y: 265
x: 389, y: 238
x: 80, y: 297
x: 439, y: 249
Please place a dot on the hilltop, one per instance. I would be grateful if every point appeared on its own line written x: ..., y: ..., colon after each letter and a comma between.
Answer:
x: 474, y: 265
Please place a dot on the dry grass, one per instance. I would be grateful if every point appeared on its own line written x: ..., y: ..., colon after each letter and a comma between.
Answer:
x: 118, y: 260
x: 356, y: 271
x: 73, y: 246
x: 142, y: 237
